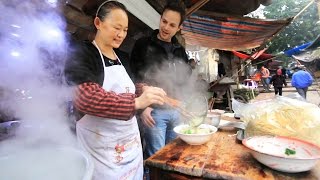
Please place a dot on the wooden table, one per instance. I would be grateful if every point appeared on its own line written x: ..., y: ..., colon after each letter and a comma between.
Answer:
x: 221, y: 158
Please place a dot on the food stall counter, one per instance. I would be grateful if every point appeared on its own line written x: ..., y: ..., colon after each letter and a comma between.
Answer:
x: 221, y: 158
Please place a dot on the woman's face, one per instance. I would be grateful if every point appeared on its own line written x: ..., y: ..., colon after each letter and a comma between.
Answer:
x: 169, y: 25
x: 113, y: 29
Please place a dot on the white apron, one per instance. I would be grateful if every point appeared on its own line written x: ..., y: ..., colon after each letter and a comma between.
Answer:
x: 114, y: 144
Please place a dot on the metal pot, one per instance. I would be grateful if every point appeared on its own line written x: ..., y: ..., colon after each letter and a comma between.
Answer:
x: 8, y: 129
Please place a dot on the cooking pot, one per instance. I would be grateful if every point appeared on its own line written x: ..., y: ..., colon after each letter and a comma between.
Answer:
x: 8, y: 128
x: 50, y: 163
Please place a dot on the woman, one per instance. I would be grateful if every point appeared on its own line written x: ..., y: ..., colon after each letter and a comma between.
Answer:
x: 278, y: 80
x: 106, y: 95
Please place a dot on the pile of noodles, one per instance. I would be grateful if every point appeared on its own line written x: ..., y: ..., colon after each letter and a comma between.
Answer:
x: 285, y: 117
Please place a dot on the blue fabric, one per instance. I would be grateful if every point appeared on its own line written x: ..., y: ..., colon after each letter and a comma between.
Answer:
x: 301, y: 79
x: 296, y: 50
x: 162, y: 133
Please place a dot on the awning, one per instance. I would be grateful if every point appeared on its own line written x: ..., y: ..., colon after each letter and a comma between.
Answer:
x: 229, y: 33
x: 258, y: 55
x: 306, y: 52
x: 308, y: 56
x: 297, y: 49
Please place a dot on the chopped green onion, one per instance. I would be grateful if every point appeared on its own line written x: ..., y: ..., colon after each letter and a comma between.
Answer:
x: 289, y: 152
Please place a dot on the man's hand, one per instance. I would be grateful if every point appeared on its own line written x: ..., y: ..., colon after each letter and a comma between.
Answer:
x: 146, y: 118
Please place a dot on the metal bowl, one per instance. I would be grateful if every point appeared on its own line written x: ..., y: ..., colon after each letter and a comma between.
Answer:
x: 8, y: 129
x: 50, y: 163
x: 214, y: 119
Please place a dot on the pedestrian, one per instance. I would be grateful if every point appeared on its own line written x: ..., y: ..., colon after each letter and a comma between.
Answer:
x: 301, y: 80
x: 105, y: 98
x: 265, y: 74
x: 278, y: 80
x: 161, y: 60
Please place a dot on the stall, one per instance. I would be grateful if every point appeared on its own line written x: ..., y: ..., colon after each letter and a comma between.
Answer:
x: 223, y: 91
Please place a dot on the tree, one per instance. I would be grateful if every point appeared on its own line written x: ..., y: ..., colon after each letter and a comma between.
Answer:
x: 303, y: 29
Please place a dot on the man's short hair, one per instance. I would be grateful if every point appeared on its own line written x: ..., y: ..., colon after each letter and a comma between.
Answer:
x: 177, y: 7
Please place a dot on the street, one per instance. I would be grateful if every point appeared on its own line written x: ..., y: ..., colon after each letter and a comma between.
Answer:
x: 313, y: 96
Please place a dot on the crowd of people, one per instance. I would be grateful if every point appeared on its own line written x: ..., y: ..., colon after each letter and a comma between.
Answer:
x: 301, y: 80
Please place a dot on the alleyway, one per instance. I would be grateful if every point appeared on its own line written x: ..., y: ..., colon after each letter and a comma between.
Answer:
x: 312, y: 95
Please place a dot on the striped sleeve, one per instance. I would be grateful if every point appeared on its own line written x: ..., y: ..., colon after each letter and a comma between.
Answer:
x: 139, y: 87
x: 90, y: 98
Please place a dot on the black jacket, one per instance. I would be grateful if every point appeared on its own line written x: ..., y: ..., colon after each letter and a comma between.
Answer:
x: 278, y: 81
x: 159, y: 63
x: 85, y: 56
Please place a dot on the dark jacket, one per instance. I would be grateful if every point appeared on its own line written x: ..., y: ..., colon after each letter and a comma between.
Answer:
x: 86, y: 57
x: 159, y: 63
x: 278, y: 81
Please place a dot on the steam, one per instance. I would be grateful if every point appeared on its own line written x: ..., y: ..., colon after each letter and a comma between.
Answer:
x: 33, y: 52
x: 175, y: 77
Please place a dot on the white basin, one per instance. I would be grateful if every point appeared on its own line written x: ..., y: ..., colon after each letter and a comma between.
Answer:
x: 46, y: 163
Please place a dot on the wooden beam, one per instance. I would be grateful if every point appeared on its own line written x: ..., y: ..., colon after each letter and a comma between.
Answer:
x: 195, y: 7
x: 318, y: 3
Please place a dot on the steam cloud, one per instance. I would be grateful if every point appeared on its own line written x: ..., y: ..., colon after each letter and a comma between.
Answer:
x: 33, y: 51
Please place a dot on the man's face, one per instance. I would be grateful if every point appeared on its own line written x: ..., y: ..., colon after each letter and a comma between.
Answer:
x: 169, y: 25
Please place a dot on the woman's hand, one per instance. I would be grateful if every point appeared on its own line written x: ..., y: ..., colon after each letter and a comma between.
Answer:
x: 146, y: 118
x: 150, y: 95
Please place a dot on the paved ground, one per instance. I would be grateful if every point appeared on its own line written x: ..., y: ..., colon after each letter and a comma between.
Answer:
x: 313, y: 96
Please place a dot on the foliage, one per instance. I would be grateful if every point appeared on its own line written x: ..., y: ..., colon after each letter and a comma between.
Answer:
x: 245, y: 93
x: 303, y: 29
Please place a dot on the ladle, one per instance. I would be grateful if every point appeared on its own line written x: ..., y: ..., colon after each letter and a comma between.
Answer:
x: 195, y: 109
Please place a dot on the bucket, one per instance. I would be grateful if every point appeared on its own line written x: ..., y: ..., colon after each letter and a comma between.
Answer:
x: 46, y: 163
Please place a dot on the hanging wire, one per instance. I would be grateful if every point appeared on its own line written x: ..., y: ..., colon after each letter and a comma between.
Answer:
x: 303, y: 9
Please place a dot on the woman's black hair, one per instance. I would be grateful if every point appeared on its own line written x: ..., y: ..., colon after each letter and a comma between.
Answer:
x: 177, y: 7
x: 105, y: 8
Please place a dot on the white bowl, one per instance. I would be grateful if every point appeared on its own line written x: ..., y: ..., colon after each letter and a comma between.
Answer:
x: 271, y: 151
x: 46, y: 163
x: 195, y: 139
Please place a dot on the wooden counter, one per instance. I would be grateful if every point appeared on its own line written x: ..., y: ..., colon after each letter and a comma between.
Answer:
x: 221, y: 158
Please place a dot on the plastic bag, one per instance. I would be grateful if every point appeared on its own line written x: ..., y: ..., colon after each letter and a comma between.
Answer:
x: 281, y: 116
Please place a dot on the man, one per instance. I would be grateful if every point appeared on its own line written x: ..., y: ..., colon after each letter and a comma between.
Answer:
x: 301, y: 80
x: 159, y: 60
x: 265, y: 78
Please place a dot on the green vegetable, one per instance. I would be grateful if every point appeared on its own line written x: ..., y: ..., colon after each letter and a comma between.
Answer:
x: 289, y: 152
x: 198, y: 130
x: 189, y: 131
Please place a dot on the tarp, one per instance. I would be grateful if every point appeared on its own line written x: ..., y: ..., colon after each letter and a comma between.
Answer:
x: 230, y: 33
x: 297, y: 49
x: 308, y: 56
x: 257, y: 55
x: 306, y: 52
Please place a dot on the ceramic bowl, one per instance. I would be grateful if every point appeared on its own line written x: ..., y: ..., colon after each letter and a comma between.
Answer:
x: 195, y: 139
x: 284, y: 154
